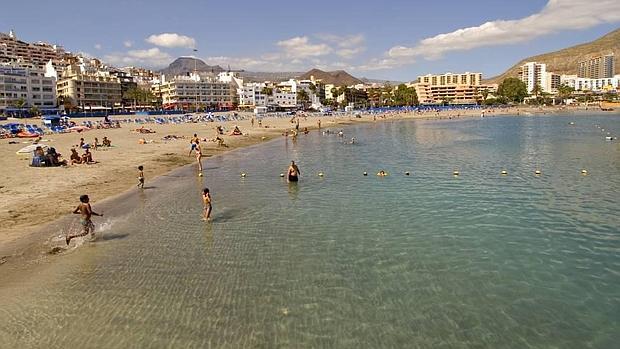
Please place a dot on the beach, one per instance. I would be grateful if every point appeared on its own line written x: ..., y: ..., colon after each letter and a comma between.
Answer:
x: 33, y: 197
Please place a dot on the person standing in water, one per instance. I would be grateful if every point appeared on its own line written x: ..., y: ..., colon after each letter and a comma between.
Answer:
x: 85, y: 220
x: 293, y: 172
x: 198, y: 155
x: 206, y: 200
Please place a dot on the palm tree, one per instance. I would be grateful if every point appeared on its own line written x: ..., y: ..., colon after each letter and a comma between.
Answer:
x: 303, y: 97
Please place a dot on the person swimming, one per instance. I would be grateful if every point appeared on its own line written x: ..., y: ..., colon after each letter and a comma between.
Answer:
x: 382, y: 173
x: 293, y: 172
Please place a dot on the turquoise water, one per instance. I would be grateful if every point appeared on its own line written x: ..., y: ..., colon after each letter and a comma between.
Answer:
x: 347, y: 261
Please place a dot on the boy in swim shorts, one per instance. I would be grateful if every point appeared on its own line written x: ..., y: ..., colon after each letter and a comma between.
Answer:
x: 85, y: 220
x: 141, y: 177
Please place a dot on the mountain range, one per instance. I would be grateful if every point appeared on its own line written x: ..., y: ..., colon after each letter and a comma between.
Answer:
x: 566, y: 61
x: 185, y: 65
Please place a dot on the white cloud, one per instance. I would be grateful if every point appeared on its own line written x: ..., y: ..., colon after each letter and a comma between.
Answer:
x: 152, y: 58
x: 300, y: 47
x: 98, y: 46
x: 171, y: 40
x: 128, y: 43
x: 348, y: 46
x: 556, y: 16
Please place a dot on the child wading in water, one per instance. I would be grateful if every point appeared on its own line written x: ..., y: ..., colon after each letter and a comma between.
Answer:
x: 141, y: 177
x: 87, y: 224
x: 206, y: 200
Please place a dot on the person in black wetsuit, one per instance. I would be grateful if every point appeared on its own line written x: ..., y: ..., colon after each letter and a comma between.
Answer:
x: 293, y: 172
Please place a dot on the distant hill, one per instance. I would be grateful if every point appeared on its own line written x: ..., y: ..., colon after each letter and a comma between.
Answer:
x: 565, y: 61
x: 185, y: 65
x: 337, y: 77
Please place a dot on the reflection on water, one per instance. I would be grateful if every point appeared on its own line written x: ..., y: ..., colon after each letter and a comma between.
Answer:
x: 347, y: 260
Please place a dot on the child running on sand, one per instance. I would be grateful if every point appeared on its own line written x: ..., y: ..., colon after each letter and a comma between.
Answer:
x: 87, y: 224
x: 141, y: 177
x: 206, y: 200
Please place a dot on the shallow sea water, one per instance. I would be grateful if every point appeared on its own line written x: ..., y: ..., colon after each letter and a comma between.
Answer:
x: 350, y: 261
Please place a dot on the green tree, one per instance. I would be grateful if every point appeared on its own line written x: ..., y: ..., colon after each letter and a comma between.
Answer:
x: 34, y: 111
x: 140, y: 96
x: 303, y: 97
x: 513, y: 89
x: 565, y: 91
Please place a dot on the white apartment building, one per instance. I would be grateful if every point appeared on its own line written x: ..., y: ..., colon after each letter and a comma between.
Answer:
x: 594, y: 85
x: 467, y: 78
x: 187, y: 92
x: 28, y: 84
x: 534, y: 74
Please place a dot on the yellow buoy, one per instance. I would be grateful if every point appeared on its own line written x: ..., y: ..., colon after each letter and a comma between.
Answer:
x: 504, y: 173
x: 320, y: 174
x: 584, y: 172
x: 200, y: 174
x: 456, y: 173
x: 365, y: 173
x: 281, y: 174
x: 243, y: 175
x: 407, y: 173
x: 537, y: 172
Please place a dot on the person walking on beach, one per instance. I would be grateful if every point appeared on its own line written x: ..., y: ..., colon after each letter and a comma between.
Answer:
x: 293, y: 172
x: 193, y: 143
x: 206, y: 200
x: 85, y: 220
x: 141, y: 177
x: 198, y: 155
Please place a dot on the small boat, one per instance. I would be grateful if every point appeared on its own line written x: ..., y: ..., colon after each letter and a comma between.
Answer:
x: 609, y: 138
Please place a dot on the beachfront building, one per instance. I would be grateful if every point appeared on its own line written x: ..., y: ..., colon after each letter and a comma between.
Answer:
x: 14, y: 50
x: 252, y: 95
x: 599, y: 67
x: 448, y: 88
x: 594, y: 85
x: 25, y: 87
x: 535, y: 74
x: 446, y: 94
x: 92, y: 91
x: 447, y: 79
x: 196, y: 92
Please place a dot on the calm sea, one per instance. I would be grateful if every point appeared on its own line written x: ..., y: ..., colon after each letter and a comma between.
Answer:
x: 429, y: 260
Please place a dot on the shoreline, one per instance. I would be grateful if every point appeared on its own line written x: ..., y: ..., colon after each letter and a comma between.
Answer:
x: 28, y: 224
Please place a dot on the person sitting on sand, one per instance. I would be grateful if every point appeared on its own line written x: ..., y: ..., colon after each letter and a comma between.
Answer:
x: 306, y: 131
x: 87, y: 212
x: 38, y: 157
x: 106, y: 142
x: 220, y: 142
x: 52, y: 158
x: 236, y: 131
x: 75, y: 157
x: 220, y: 130
x: 87, y: 157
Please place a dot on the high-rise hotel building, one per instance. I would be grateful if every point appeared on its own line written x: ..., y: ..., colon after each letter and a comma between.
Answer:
x: 600, y: 67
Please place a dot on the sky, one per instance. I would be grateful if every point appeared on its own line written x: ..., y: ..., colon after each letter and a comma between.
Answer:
x: 389, y: 39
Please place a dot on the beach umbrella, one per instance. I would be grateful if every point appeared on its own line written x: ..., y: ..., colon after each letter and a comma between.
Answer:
x: 30, y: 148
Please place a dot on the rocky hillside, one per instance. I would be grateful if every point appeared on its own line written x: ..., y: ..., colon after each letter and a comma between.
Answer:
x: 565, y: 61
x: 337, y: 77
x: 185, y: 65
